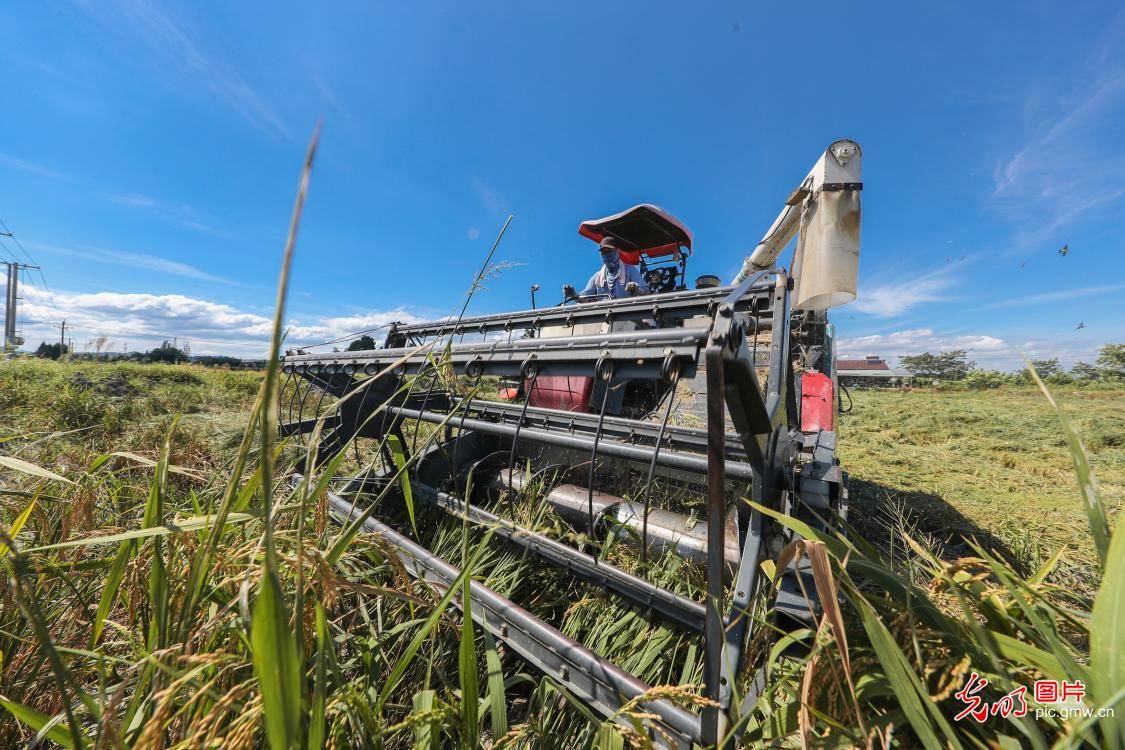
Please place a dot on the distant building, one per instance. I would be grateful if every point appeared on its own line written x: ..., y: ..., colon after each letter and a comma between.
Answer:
x: 870, y: 372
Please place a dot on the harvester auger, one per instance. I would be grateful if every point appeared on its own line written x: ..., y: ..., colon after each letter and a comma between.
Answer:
x: 585, y: 419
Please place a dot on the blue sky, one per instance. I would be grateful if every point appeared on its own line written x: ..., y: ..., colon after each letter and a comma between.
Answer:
x: 149, y: 154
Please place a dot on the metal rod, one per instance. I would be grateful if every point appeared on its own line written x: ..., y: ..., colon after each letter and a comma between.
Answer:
x: 713, y: 723
x: 593, y: 459
x: 598, y: 683
x: 695, y: 464
x: 519, y: 424
x: 675, y: 608
x: 652, y: 467
x: 671, y: 306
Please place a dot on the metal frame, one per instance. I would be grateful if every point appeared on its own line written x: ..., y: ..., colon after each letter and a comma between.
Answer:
x: 760, y: 452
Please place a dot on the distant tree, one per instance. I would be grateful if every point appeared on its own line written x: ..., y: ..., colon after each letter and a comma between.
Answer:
x: 363, y: 343
x: 220, y: 360
x: 1086, y: 371
x: 942, y: 366
x: 166, y: 352
x: 51, y: 351
x: 1111, y: 361
x: 986, y: 379
x: 1046, y: 368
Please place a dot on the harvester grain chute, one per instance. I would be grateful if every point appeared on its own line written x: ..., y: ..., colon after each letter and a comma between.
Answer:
x: 584, y: 418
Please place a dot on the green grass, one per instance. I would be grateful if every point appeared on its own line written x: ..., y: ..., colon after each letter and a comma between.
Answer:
x: 919, y: 461
x: 986, y: 464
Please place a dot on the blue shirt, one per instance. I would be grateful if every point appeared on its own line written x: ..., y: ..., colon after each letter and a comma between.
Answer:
x: 605, y: 284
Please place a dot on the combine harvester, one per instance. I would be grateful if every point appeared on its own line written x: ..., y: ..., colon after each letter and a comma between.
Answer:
x: 584, y: 419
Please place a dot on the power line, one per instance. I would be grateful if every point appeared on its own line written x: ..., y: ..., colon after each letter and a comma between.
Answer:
x: 46, y: 287
x: 8, y: 233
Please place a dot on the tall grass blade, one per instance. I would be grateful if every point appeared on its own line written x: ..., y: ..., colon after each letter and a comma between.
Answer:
x: 426, y: 733
x: 37, y: 721
x: 274, y: 648
x: 158, y: 572
x: 25, y: 467
x: 276, y: 664
x: 17, y: 526
x: 319, y: 702
x: 398, y: 453
x: 109, y: 592
x: 1107, y: 638
x: 920, y: 711
x: 498, y: 704
x: 467, y: 671
x: 1087, y: 482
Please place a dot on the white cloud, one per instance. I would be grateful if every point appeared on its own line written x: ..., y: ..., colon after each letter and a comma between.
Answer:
x: 135, y: 260
x: 172, y: 50
x: 144, y: 320
x: 489, y: 197
x: 989, y: 352
x: 1072, y: 163
x: 32, y: 168
x: 177, y: 213
x: 895, y: 296
x: 1064, y: 294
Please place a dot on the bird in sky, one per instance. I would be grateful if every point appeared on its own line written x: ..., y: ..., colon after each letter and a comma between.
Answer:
x: 1080, y: 326
x: 961, y: 259
x: 1065, y: 250
x: 1023, y: 264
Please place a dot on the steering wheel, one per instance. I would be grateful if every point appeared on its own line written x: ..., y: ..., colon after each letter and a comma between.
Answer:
x: 661, y: 279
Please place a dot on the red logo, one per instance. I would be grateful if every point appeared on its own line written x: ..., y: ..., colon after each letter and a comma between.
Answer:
x: 1012, y: 704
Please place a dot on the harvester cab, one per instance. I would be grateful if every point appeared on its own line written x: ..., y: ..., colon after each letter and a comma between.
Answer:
x: 658, y: 245
x: 675, y: 408
x: 649, y: 238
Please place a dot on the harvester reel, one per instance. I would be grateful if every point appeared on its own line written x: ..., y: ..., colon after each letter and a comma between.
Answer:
x: 600, y: 472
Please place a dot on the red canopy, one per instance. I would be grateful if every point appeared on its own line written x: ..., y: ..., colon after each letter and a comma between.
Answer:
x: 642, y: 230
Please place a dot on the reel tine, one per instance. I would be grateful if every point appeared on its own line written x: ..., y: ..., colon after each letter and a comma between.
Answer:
x: 519, y: 425
x: 603, y: 370
x: 675, y: 380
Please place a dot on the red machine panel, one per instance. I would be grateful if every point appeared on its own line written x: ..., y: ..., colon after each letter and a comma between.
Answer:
x: 567, y: 392
x: 816, y: 402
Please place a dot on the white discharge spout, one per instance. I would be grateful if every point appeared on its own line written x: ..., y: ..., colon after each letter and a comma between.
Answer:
x: 825, y: 211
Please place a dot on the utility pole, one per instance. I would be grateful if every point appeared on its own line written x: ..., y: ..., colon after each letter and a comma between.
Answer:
x: 62, y: 338
x: 11, y: 302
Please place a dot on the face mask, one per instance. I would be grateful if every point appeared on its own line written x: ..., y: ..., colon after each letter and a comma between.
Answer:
x: 611, y: 261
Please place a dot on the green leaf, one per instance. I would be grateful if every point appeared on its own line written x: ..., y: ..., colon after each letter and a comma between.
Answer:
x: 276, y: 664
x: 399, y: 455
x: 920, y: 711
x: 498, y: 705
x: 175, y: 527
x: 17, y: 525
x: 29, y: 717
x: 1087, y: 482
x: 1107, y: 633
x: 317, y: 722
x: 109, y: 591
x: 425, y: 736
x: 609, y: 738
x: 18, y: 464
x: 467, y: 671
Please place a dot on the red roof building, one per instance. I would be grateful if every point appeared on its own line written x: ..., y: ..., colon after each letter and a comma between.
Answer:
x: 869, y: 363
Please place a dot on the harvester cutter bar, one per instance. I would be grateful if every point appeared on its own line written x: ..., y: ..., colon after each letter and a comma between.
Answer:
x: 595, y: 681
x: 664, y: 308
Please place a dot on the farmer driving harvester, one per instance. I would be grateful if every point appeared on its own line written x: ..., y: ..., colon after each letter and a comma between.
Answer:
x: 615, y: 279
